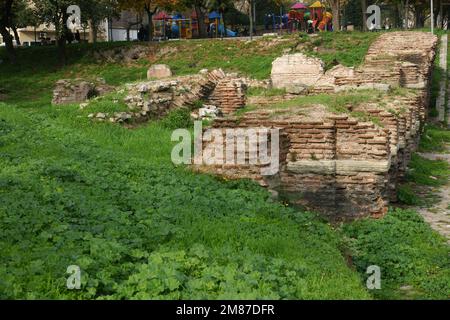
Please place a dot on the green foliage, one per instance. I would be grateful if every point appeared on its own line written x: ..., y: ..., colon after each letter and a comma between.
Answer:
x: 434, y: 139
x: 179, y: 118
x: 428, y: 172
x: 109, y: 103
x: 407, y: 251
x: 109, y: 200
x: 407, y: 195
x: 258, y: 91
x: 346, y: 48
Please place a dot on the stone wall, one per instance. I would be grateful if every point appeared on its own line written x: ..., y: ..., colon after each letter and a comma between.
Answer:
x: 156, y: 98
x: 78, y: 90
x: 338, y: 164
x: 228, y: 95
x: 395, y: 59
x: 296, y: 70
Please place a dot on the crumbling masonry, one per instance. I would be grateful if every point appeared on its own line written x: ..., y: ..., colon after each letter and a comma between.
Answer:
x: 342, y: 164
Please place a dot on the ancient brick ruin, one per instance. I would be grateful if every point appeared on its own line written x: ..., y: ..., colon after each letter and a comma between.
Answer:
x: 154, y: 99
x: 78, y: 90
x: 346, y: 164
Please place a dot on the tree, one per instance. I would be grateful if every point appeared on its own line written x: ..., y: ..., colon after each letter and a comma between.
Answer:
x: 21, y: 16
x: 352, y: 13
x: 247, y: 7
x: 149, y: 7
x: 201, y: 8
x: 93, y: 12
x: 223, y: 6
x: 336, y: 11
x: 55, y: 12
x: 5, y: 23
x: 282, y: 4
x: 131, y: 19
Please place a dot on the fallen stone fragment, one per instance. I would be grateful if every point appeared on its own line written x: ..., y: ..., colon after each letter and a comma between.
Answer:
x: 159, y: 71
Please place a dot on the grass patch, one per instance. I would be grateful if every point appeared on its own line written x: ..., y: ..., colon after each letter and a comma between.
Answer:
x: 437, y: 75
x: 427, y: 172
x: 434, y: 139
x: 109, y: 200
x: 346, y: 48
x: 422, y: 176
x: 407, y: 195
x: 108, y: 103
x: 271, y: 92
x: 408, y: 252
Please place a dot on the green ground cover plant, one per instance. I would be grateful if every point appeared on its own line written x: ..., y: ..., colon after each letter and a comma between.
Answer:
x: 109, y: 199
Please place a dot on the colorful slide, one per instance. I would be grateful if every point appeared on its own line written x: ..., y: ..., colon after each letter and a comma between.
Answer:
x: 228, y: 31
x: 326, y: 20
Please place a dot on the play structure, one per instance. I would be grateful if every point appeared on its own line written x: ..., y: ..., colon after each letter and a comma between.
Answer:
x: 216, y: 27
x: 274, y: 22
x: 321, y: 19
x: 301, y: 17
x: 179, y: 27
x: 172, y: 27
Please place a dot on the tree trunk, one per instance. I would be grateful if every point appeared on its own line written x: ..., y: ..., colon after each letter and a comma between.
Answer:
x: 5, y: 16
x: 364, y: 14
x: 131, y: 25
x: 61, y: 36
x: 61, y: 43
x: 95, y: 32
x: 250, y: 15
x: 406, y: 14
x: 91, y: 37
x: 336, y: 10
x: 8, y: 39
x: 200, y: 21
x: 419, y: 18
x: 224, y: 33
x: 150, y: 14
x: 16, y: 35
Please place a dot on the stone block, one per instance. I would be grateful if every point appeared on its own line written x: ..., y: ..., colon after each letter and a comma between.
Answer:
x: 159, y: 71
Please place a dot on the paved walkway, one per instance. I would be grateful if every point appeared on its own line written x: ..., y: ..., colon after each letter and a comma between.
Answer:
x: 438, y: 216
x: 448, y: 107
x: 440, y: 101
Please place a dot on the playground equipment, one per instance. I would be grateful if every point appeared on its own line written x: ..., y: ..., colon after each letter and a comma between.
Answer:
x: 179, y: 27
x: 296, y: 17
x: 301, y: 18
x: 316, y: 9
x: 175, y: 26
x: 325, y: 23
x: 216, y: 27
x: 274, y: 20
